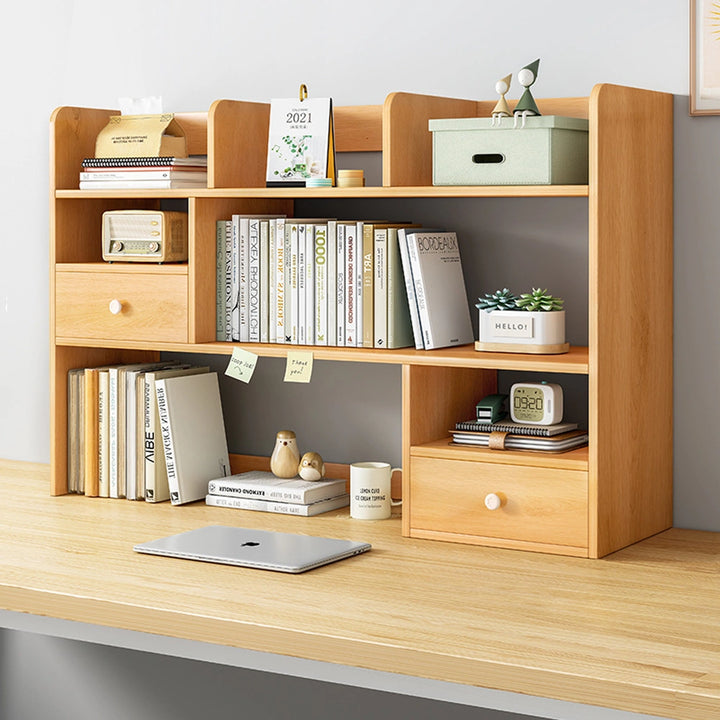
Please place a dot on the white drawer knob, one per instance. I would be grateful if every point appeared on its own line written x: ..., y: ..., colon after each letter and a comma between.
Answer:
x: 493, y: 501
x: 115, y: 307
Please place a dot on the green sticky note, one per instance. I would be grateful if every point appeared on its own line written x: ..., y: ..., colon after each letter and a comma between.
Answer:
x: 299, y: 366
x: 242, y: 365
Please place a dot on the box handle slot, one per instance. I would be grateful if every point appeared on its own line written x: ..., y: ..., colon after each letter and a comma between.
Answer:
x: 488, y: 158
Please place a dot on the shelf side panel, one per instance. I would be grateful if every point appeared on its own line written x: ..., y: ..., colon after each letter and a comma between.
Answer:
x: 358, y: 128
x: 631, y: 315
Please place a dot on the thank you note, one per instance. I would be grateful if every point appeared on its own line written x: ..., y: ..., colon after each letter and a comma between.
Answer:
x: 299, y: 366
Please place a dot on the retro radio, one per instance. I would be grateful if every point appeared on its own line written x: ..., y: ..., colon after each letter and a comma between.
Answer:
x: 144, y: 236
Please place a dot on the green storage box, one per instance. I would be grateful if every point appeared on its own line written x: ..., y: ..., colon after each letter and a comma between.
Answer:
x: 549, y: 150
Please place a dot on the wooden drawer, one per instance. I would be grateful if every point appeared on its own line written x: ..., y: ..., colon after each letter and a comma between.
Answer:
x: 152, y: 306
x: 542, y: 505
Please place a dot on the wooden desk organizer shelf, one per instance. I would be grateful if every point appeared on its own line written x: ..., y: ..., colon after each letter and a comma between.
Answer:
x: 588, y: 502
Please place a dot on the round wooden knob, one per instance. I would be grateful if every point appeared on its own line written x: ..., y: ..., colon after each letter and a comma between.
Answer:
x: 493, y: 501
x: 115, y: 307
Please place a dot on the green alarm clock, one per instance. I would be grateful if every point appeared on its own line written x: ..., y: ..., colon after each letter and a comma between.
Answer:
x: 536, y: 403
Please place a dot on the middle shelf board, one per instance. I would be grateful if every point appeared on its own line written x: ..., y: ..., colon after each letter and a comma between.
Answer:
x: 410, y: 191
x: 574, y: 362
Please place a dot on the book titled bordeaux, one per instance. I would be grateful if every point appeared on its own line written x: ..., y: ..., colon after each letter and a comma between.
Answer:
x: 439, y: 288
x: 193, y: 434
x: 263, y: 485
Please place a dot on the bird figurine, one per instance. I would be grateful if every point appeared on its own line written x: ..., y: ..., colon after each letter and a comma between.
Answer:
x: 286, y: 456
x: 311, y: 467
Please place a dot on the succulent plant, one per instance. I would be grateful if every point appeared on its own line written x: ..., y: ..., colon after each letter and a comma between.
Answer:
x: 499, y: 300
x: 539, y: 300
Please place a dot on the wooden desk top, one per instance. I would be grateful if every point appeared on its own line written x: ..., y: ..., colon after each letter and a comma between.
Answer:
x: 638, y: 630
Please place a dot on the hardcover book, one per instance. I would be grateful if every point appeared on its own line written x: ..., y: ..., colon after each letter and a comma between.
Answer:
x: 193, y: 434
x: 286, y: 508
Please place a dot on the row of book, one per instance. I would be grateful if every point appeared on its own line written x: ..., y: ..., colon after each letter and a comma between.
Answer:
x: 145, y: 431
x: 348, y: 283
x: 148, y: 173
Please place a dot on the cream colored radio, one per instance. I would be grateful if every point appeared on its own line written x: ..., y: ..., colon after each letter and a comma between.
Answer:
x: 144, y: 236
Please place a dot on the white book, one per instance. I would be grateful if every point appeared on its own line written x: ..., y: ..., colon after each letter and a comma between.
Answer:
x: 253, y: 280
x: 220, y: 280
x: 332, y: 282
x: 242, y: 503
x: 380, y: 287
x: 359, y: 294
x: 340, y: 286
x: 196, y: 176
x: 193, y: 434
x: 140, y: 184
x: 235, y: 277
x: 399, y: 323
x: 229, y: 300
x: 320, y: 232
x: 156, y: 481
x: 263, y: 485
x: 272, y: 282
x: 410, y: 290
x: 350, y: 280
x: 289, y: 300
x: 301, y: 282
x: 103, y: 433
x: 264, y: 281
x: 293, y: 292
x: 310, y: 284
x: 439, y: 289
x: 280, y: 306
x: 243, y: 272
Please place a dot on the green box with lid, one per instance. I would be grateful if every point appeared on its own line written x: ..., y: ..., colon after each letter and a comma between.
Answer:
x: 548, y: 150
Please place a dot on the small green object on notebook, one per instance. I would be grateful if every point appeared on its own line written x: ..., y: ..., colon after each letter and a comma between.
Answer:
x: 491, y: 408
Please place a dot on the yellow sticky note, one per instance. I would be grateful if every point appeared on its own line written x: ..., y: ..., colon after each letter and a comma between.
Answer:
x: 299, y: 366
x: 242, y: 365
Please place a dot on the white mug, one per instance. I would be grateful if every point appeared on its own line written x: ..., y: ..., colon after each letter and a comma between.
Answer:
x: 370, y: 497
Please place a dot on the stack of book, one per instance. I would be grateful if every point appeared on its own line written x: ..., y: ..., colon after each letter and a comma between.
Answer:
x: 261, y: 490
x: 152, y: 431
x: 559, y: 437
x: 348, y: 283
x: 144, y: 173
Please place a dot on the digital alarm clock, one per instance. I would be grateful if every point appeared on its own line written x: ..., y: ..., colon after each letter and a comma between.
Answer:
x: 536, y: 403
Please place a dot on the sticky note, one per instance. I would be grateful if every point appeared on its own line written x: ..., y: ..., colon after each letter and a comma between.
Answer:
x: 242, y: 365
x: 299, y: 366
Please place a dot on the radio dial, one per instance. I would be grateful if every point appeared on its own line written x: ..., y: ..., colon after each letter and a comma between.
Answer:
x: 154, y: 246
x: 116, y: 246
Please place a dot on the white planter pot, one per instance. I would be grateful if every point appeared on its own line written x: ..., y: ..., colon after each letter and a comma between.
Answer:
x: 522, y: 331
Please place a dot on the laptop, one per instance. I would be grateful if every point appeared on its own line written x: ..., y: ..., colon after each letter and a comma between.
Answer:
x: 262, y: 549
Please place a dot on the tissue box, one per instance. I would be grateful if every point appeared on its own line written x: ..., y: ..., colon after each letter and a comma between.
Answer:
x: 549, y: 150
x: 141, y: 136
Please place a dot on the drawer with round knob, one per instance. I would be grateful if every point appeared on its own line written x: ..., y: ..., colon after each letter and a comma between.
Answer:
x: 122, y: 305
x: 512, y: 504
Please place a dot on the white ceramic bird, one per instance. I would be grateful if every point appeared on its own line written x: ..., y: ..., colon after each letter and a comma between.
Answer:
x: 286, y: 456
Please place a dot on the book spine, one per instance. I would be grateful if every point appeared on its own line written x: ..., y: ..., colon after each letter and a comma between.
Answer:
x: 91, y: 433
x: 420, y: 298
x: 410, y: 290
x: 277, y: 507
x: 113, y: 432
x: 244, y: 259
x: 232, y: 487
x: 293, y: 294
x: 235, y: 262
x: 228, y: 283
x: 359, y: 299
x: 321, y: 294
x: 331, y: 282
x: 380, y: 287
x: 340, y: 287
x: 280, y: 281
x: 368, y: 336
x: 149, y: 446
x: 103, y: 427
x: 167, y: 442
x: 350, y: 294
x: 220, y: 280
x: 289, y: 299
x: 470, y: 426
x: 399, y: 325
x: 310, y: 284
x: 272, y: 281
x: 254, y: 280
x: 301, y: 284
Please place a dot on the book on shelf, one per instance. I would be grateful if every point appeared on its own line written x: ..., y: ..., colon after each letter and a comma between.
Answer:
x: 286, y: 508
x: 91, y: 463
x: 76, y: 430
x: 155, y: 479
x: 198, y: 175
x: 555, y: 443
x: 164, y: 161
x: 141, y: 184
x: 193, y: 434
x: 263, y: 485
x: 509, y: 426
x: 410, y: 290
x: 440, y: 291
x: 399, y: 323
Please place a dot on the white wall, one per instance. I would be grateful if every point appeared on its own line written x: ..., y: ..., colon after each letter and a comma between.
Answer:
x: 89, y: 53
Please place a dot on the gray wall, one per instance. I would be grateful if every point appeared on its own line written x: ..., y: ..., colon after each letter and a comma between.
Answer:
x: 90, y: 53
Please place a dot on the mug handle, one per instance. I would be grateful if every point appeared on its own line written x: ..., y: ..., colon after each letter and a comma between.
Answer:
x: 395, y: 503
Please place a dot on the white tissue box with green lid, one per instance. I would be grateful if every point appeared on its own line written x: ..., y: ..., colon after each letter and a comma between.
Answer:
x: 549, y: 150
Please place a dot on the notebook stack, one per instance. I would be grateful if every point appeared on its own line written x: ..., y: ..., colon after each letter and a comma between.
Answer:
x: 148, y: 173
